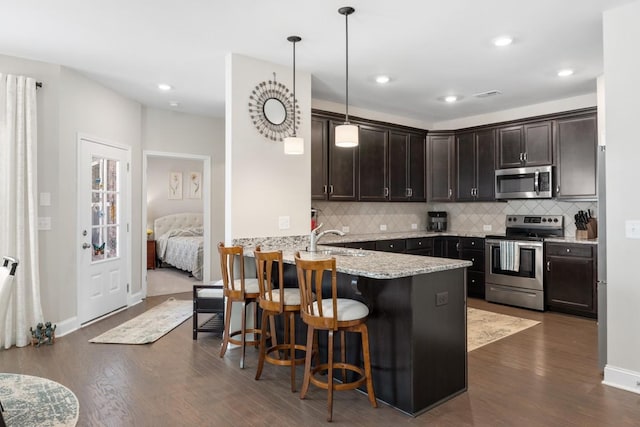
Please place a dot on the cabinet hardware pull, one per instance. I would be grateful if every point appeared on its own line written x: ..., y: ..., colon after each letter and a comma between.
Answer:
x: 525, y: 156
x: 331, y: 189
x: 386, y: 192
x: 458, y: 247
x: 450, y: 193
x: 548, y: 265
x: 557, y: 189
x: 325, y: 189
x: 521, y: 158
x: 410, y: 192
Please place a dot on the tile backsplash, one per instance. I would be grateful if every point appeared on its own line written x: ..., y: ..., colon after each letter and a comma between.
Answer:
x: 365, y: 218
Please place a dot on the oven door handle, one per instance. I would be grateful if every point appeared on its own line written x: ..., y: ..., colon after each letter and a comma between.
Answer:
x: 536, y: 182
x: 521, y: 244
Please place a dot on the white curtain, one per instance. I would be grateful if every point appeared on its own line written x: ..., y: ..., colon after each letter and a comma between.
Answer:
x: 18, y: 209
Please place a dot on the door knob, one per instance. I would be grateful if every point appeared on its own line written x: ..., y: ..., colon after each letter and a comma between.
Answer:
x: 86, y: 246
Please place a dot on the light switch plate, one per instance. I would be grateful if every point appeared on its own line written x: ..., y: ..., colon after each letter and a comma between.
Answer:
x: 487, y: 227
x: 284, y: 222
x: 44, y: 223
x: 345, y: 228
x: 632, y: 229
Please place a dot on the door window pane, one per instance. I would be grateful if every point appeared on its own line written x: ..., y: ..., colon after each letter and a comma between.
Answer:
x: 105, y: 215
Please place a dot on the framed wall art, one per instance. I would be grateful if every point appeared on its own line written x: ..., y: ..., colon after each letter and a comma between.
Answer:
x: 175, y: 186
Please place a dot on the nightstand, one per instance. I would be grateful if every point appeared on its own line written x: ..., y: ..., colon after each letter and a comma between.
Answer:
x: 151, y: 254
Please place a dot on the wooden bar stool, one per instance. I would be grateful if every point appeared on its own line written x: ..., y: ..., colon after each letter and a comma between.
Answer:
x: 244, y: 291
x: 331, y: 314
x: 276, y: 301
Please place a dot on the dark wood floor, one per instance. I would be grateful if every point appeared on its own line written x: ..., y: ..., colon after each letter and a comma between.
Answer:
x: 546, y: 375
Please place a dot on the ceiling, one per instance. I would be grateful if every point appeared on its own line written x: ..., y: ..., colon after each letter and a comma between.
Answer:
x: 429, y: 48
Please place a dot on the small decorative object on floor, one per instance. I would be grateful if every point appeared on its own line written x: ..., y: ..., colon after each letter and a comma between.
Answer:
x: 44, y: 333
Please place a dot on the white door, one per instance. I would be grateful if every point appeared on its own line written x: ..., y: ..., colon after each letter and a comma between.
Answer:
x: 103, y: 228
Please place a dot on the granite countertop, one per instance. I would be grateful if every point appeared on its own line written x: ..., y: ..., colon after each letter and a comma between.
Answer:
x: 571, y: 240
x: 373, y: 264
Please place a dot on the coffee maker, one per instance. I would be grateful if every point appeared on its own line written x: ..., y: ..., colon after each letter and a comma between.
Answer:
x: 436, y: 221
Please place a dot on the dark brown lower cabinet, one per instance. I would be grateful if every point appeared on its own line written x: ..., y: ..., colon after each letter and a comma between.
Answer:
x: 570, y: 278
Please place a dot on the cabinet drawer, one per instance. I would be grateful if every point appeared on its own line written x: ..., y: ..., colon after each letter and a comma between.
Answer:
x: 420, y: 243
x: 472, y: 243
x: 395, y: 245
x: 368, y: 245
x: 475, y: 284
x: 585, y: 251
x: 476, y: 257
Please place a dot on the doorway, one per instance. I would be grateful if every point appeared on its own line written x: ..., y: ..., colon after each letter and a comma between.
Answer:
x: 159, y: 184
x: 103, y: 235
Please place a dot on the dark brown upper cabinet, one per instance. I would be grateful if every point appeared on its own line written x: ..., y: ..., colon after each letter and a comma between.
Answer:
x: 576, y: 142
x: 441, y: 167
x: 319, y: 156
x: 343, y: 166
x: 373, y: 164
x: 407, y: 161
x: 528, y: 144
x: 475, y: 156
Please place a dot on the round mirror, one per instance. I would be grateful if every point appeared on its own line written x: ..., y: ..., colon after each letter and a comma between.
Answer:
x: 274, y: 111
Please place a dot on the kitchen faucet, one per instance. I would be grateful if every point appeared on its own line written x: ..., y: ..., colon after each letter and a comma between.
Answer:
x: 315, y: 236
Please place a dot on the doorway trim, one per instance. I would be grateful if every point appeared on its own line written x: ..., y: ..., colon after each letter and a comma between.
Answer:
x: 206, y: 211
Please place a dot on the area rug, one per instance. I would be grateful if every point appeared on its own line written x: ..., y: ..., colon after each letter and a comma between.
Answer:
x: 34, y: 401
x: 150, y: 325
x: 484, y: 327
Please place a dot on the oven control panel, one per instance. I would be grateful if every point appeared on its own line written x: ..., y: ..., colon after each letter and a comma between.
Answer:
x: 534, y: 221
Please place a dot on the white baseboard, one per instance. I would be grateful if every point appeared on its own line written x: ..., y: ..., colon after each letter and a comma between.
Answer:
x: 622, y: 378
x: 67, y: 326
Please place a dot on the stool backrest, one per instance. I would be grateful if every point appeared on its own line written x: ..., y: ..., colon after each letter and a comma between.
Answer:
x: 7, y: 273
x: 265, y: 262
x: 233, y: 288
x: 311, y: 275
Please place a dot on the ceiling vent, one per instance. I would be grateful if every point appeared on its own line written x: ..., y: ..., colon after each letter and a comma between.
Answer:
x: 487, y: 94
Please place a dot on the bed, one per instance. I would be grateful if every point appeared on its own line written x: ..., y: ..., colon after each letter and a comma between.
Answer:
x: 179, y: 241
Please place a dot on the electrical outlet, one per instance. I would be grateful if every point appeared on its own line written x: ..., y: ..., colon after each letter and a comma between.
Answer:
x: 632, y: 229
x: 442, y: 298
x: 383, y: 227
x: 487, y: 227
x: 345, y: 228
x: 414, y: 226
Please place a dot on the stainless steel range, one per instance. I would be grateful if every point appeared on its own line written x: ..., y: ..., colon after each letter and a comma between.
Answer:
x: 514, y: 261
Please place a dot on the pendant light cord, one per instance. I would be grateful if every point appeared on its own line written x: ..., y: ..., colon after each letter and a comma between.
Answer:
x: 346, y: 22
x: 294, y: 88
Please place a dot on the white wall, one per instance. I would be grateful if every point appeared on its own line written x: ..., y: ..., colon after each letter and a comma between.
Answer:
x: 158, y: 203
x: 557, y: 106
x: 622, y: 101
x: 89, y: 108
x: 262, y: 182
x: 175, y: 132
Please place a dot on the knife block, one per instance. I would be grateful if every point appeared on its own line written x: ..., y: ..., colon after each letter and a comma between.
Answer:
x: 590, y: 233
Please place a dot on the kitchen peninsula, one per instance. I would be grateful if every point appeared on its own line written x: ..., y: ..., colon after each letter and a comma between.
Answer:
x: 417, y: 318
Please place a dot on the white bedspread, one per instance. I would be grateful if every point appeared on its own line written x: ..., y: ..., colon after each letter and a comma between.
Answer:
x: 182, y: 248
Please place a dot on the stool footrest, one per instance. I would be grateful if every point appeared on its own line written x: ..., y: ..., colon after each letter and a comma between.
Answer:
x: 285, y: 348
x: 338, y: 366
x: 238, y: 341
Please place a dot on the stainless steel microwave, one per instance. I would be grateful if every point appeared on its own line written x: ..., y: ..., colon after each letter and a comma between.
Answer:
x: 524, y: 183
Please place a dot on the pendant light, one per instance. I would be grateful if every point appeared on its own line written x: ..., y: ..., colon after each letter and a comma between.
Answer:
x: 294, y: 144
x: 346, y: 133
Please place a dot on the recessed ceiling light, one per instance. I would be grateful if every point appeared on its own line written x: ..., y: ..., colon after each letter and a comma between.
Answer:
x: 502, y: 41
x: 164, y: 86
x: 174, y: 104
x: 383, y: 79
x: 451, y: 98
x: 565, y: 73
